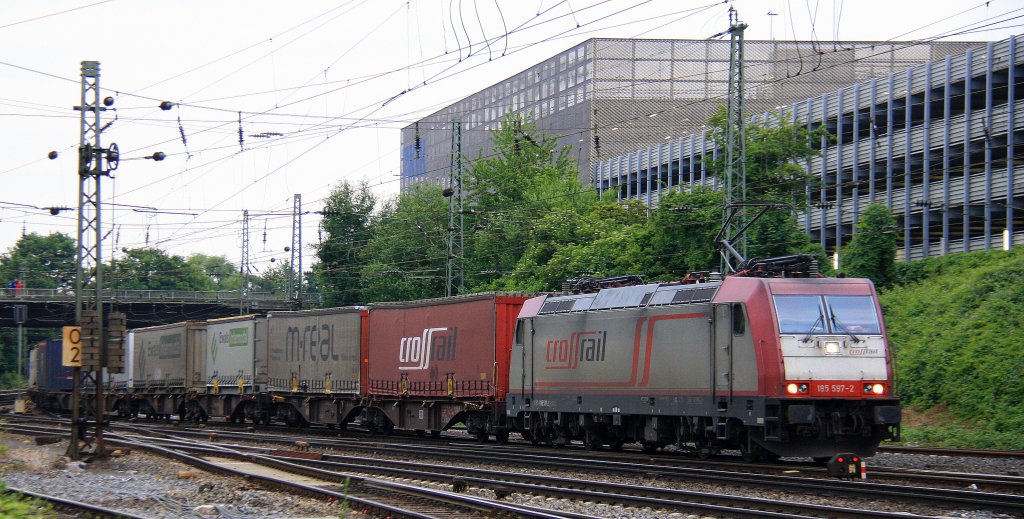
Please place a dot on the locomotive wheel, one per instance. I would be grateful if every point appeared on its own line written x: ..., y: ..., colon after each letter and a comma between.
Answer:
x: 501, y: 437
x: 481, y: 436
x: 421, y: 433
x: 751, y: 452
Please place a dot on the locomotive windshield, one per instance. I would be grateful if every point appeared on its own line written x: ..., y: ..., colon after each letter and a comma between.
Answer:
x: 826, y: 314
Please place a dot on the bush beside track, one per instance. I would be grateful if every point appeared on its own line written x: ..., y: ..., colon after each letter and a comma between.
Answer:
x: 954, y: 325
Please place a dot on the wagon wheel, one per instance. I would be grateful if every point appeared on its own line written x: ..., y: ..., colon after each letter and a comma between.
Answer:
x: 591, y: 440
x: 703, y: 449
x: 501, y: 436
x: 750, y: 451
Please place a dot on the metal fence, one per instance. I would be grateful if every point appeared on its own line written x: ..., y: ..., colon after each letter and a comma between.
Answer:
x: 183, y: 296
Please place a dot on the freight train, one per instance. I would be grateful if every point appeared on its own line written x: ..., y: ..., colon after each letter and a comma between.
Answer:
x: 770, y: 366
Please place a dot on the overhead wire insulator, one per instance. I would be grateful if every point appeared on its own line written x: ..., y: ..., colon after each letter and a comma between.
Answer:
x: 241, y: 137
x: 184, y: 141
x: 418, y: 143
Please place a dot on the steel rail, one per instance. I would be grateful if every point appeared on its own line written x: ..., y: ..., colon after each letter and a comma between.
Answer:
x: 74, y: 506
x: 560, y: 487
x: 449, y: 498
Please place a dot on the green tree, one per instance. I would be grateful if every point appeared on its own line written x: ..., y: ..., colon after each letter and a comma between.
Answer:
x: 39, y: 262
x: 774, y: 175
x: 223, y: 274
x: 347, y: 228
x: 46, y: 261
x: 272, y: 279
x: 683, y: 230
x: 406, y: 257
x: 608, y: 239
x: 526, y: 179
x: 154, y: 269
x: 872, y: 252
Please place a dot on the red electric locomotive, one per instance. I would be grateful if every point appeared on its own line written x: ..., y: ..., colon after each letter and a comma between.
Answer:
x: 771, y: 366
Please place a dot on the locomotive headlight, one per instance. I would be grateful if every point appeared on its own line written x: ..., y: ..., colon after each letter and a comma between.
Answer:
x: 832, y: 347
x: 876, y: 389
x: 791, y: 389
x: 796, y: 389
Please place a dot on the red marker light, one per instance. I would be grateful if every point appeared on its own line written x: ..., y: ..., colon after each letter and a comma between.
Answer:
x: 840, y: 460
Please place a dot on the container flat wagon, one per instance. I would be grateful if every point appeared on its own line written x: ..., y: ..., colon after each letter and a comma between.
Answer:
x: 434, y: 363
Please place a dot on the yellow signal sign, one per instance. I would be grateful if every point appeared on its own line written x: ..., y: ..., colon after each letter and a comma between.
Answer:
x: 72, y: 351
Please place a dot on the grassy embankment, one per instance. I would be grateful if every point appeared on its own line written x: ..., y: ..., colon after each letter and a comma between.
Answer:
x: 956, y: 325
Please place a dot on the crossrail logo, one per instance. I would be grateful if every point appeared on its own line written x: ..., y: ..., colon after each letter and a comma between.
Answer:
x: 415, y: 353
x: 579, y: 347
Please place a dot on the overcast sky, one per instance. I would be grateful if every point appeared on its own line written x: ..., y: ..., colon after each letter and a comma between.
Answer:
x: 335, y: 79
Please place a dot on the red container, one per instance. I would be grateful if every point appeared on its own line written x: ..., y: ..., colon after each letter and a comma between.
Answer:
x: 453, y: 347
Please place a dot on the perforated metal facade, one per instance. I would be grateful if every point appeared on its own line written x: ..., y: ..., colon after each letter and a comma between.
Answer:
x: 598, y: 97
x: 942, y: 157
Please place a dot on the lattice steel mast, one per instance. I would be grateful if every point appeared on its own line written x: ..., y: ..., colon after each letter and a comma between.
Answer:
x: 94, y: 162
x: 455, y: 274
x: 243, y: 268
x: 735, y: 217
x: 295, y: 276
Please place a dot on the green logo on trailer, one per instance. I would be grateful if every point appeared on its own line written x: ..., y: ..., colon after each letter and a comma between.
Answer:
x: 234, y: 338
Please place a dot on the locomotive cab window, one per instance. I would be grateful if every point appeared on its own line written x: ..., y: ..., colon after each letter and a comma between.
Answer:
x: 519, y: 334
x: 800, y: 314
x: 853, y: 314
x: 739, y: 319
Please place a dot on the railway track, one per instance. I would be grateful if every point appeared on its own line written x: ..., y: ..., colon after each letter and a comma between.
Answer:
x: 809, y: 481
x: 72, y: 507
x: 938, y: 451
x: 374, y: 495
x: 629, y: 464
x: 939, y: 497
x: 8, y: 396
x: 503, y: 483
